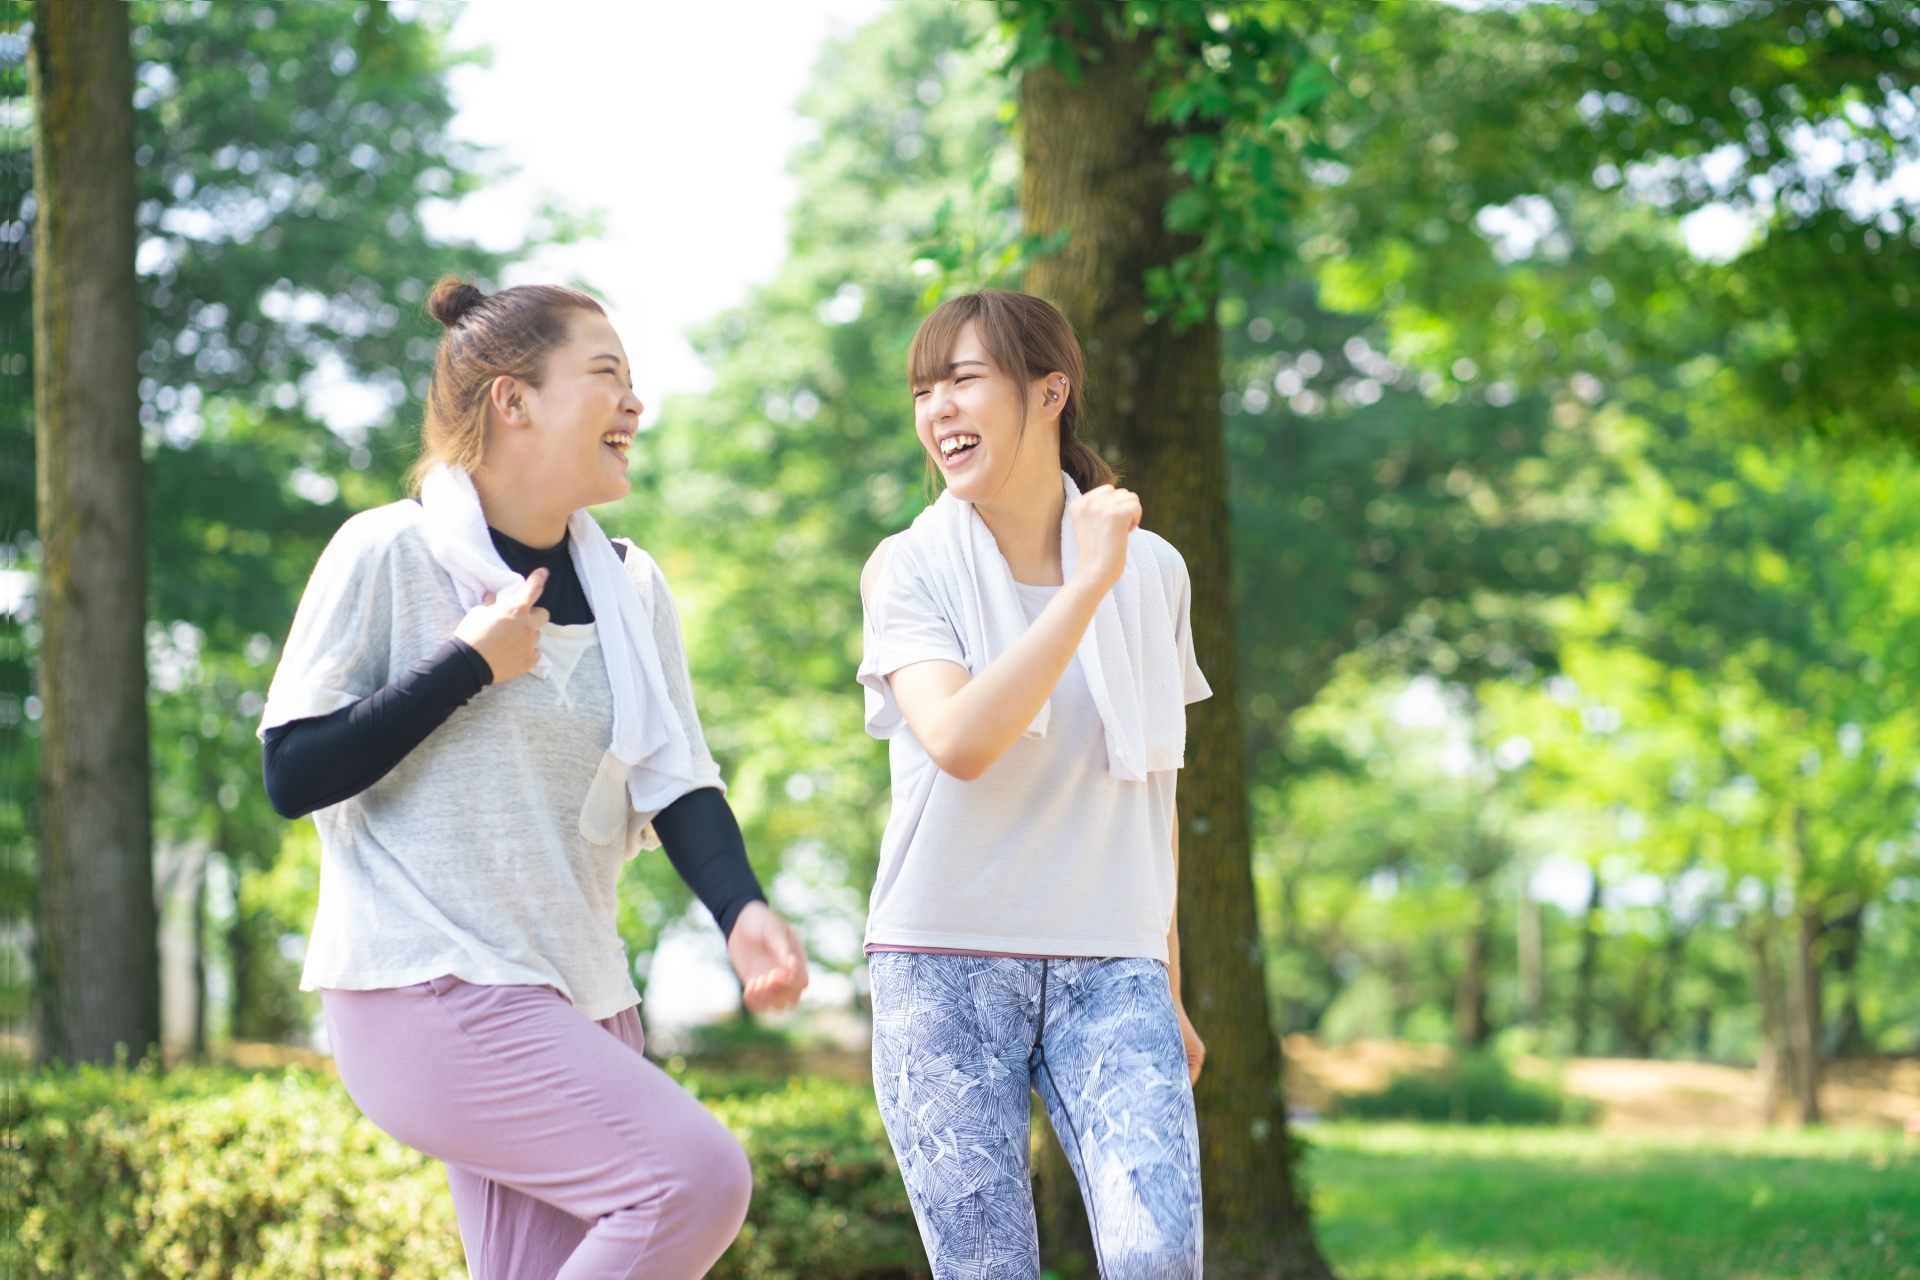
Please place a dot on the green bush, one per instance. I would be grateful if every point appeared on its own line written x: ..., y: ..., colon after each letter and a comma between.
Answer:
x: 207, y: 1173
x: 1478, y: 1089
x: 828, y: 1203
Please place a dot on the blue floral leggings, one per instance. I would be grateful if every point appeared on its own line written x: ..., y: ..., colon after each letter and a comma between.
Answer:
x: 958, y: 1042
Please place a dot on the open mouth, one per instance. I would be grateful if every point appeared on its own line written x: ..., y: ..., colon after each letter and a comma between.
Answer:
x: 618, y: 441
x: 957, y: 448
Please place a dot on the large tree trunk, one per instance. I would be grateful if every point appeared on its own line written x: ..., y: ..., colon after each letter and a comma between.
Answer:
x: 98, y: 983
x: 1153, y: 399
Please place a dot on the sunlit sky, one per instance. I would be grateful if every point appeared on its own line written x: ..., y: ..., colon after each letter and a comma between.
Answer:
x: 672, y: 119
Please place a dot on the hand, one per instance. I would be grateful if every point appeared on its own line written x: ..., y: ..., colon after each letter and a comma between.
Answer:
x: 1196, y: 1051
x: 506, y: 631
x: 1102, y: 519
x: 769, y: 959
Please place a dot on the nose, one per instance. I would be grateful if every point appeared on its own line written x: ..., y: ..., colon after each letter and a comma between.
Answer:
x: 939, y: 402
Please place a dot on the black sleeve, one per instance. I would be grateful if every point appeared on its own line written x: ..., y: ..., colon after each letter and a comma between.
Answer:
x: 703, y: 841
x: 310, y: 764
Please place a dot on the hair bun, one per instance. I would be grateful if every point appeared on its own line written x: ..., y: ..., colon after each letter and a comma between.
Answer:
x: 452, y: 298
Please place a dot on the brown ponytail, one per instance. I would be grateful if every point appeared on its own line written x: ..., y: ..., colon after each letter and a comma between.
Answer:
x: 1026, y: 337
x: 507, y: 334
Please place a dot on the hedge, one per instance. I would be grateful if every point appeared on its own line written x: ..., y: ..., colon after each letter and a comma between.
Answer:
x: 209, y: 1173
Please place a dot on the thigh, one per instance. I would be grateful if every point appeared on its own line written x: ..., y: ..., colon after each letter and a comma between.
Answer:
x: 951, y: 1035
x: 1112, y: 1073
x: 515, y: 1086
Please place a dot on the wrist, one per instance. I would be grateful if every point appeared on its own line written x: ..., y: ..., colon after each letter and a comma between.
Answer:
x: 1088, y: 581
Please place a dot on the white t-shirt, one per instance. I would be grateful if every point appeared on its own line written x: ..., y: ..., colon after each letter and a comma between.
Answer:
x: 467, y: 858
x: 1046, y: 853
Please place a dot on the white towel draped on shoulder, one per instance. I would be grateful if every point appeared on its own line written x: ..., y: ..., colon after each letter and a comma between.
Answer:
x: 1129, y: 654
x: 650, y: 763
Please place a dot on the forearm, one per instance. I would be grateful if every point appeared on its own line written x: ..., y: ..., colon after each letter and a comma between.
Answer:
x: 969, y: 723
x: 310, y: 764
x: 703, y: 841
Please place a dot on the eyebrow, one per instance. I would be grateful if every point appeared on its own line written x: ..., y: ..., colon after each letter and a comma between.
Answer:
x: 605, y: 355
x: 952, y: 368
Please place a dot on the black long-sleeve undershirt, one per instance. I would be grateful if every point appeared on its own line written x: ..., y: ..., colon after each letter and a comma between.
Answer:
x: 310, y: 764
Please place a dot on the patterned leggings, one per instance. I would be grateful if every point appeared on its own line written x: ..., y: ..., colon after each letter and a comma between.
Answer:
x: 958, y: 1042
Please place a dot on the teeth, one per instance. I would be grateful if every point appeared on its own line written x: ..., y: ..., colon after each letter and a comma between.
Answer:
x: 954, y: 444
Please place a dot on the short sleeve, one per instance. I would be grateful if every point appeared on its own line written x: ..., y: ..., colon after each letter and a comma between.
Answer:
x: 1179, y: 588
x: 903, y: 625
x: 338, y: 650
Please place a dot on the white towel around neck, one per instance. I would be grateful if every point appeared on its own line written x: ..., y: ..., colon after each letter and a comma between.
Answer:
x: 1129, y: 655
x: 650, y: 762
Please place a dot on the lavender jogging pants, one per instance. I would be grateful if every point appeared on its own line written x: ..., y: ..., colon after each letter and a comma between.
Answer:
x: 570, y: 1156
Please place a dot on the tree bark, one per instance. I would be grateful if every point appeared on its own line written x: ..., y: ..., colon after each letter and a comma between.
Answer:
x: 1803, y: 1013
x: 1583, y: 994
x: 1773, y: 1052
x: 1094, y: 167
x: 97, y: 976
x: 1470, y: 993
x: 1527, y: 931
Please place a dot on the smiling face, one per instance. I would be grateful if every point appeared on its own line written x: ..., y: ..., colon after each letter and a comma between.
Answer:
x: 969, y: 418
x: 578, y: 423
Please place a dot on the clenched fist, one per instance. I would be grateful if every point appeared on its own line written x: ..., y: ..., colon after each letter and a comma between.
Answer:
x: 506, y: 630
x: 1102, y: 519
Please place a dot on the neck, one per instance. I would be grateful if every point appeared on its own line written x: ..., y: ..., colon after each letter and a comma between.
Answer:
x: 519, y: 511
x: 1026, y: 526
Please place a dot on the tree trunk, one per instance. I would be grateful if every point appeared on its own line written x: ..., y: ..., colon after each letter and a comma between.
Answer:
x: 1847, y: 1036
x: 1774, y: 1057
x: 1533, y: 984
x: 97, y: 980
x: 180, y: 893
x: 1583, y: 999
x: 1803, y: 1014
x: 1093, y: 166
x: 1470, y: 993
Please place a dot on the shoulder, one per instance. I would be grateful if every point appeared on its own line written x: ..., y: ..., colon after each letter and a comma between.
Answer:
x: 1172, y: 565
x: 371, y: 537
x: 870, y: 572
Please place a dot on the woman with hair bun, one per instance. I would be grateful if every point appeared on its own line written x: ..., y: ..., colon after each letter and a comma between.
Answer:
x: 1029, y: 659
x: 485, y: 705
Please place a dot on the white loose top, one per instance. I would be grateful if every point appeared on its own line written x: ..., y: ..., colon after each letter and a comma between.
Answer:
x: 467, y: 859
x: 1047, y: 852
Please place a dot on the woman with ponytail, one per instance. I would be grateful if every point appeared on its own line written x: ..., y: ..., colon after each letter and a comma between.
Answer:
x: 485, y: 705
x: 1029, y: 659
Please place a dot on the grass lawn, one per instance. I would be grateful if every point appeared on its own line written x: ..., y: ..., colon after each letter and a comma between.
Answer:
x: 1428, y: 1202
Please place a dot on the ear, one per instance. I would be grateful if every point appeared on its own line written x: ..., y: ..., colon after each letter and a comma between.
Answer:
x: 508, y: 398
x: 1052, y: 392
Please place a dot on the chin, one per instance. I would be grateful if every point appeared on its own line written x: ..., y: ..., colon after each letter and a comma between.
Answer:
x: 610, y: 491
x: 975, y: 484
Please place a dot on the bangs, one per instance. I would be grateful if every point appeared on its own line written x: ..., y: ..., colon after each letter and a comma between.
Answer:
x: 931, y: 354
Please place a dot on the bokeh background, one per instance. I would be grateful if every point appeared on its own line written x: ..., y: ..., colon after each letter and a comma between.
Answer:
x: 1575, y: 524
